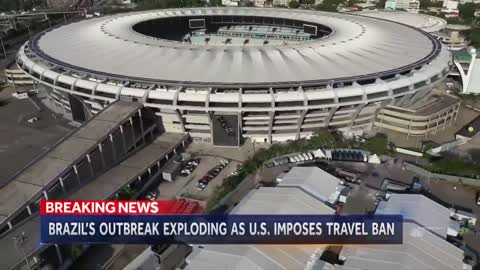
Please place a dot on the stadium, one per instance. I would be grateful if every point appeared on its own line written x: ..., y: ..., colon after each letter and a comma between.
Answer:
x: 225, y: 74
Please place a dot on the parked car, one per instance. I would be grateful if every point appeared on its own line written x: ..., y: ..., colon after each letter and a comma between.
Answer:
x: 152, y: 195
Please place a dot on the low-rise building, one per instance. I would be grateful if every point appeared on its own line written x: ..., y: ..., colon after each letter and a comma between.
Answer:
x: 285, y: 200
x: 320, y: 184
x: 433, y: 114
x: 422, y: 211
x: 425, y: 227
x: 421, y: 250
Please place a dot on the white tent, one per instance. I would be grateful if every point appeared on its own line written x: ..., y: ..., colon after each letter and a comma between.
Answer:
x: 319, y: 153
x: 374, y: 159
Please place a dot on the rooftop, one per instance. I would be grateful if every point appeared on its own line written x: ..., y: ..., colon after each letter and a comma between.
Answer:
x: 107, y: 46
x: 110, y: 182
x: 419, y: 209
x: 286, y: 200
x: 47, y: 167
x: 314, y: 181
x: 421, y: 250
x: 425, y: 22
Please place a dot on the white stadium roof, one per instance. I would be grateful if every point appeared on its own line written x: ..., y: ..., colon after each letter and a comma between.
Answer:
x: 424, y: 22
x: 358, y: 46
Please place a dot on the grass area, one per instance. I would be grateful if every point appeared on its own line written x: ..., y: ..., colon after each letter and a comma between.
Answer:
x: 452, y: 165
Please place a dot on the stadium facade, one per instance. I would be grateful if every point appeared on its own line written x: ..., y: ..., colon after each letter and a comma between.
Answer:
x: 271, y: 74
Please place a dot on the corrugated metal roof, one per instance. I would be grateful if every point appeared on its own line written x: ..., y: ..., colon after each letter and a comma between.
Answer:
x: 313, y: 180
x: 358, y: 46
x: 263, y: 257
x: 424, y: 211
x: 421, y: 250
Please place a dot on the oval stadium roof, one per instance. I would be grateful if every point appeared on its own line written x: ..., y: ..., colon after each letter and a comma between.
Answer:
x: 358, y: 46
x: 424, y: 22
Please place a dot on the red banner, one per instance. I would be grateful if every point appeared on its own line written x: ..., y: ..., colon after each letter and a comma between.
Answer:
x: 116, y: 207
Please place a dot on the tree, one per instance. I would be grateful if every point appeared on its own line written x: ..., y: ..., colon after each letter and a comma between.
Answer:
x: 474, y: 36
x: 377, y: 145
x: 329, y: 5
x: 293, y: 4
x: 467, y: 11
x: 8, y: 5
x: 308, y: 2
x: 381, y: 4
x: 322, y: 138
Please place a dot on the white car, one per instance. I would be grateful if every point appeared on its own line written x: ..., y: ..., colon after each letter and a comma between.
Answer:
x: 301, y: 157
x: 186, y: 171
x: 297, y: 159
x: 32, y: 120
x: 310, y: 156
x: 305, y: 156
x: 224, y: 162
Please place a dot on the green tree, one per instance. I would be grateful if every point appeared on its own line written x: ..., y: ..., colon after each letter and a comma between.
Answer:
x: 8, y: 5
x: 377, y: 144
x: 329, y: 5
x: 381, y: 4
x: 293, y: 4
x: 474, y: 36
x: 308, y: 2
x: 322, y: 138
x: 467, y: 11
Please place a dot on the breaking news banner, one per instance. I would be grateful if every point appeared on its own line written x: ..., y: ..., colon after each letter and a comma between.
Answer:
x: 153, y: 222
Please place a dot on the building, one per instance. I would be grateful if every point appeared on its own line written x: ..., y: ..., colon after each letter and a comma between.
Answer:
x: 413, y: 6
x: 230, y: 3
x: 422, y: 211
x: 277, y: 200
x: 425, y: 228
x: 320, y: 184
x: 421, y: 249
x: 118, y: 149
x: 283, y: 3
x: 450, y: 8
x: 259, y: 3
x: 252, y: 72
x: 431, y: 115
x: 402, y: 4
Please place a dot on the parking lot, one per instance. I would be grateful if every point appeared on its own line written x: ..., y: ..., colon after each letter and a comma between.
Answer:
x: 210, y: 156
x: 186, y: 186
